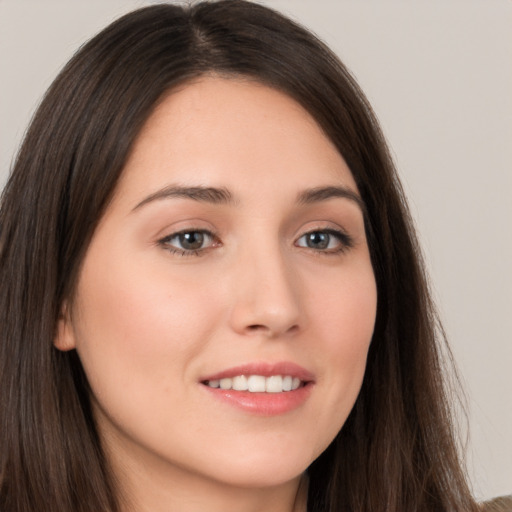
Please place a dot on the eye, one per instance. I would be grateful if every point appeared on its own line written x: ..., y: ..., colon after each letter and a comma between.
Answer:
x: 325, y: 240
x: 187, y: 242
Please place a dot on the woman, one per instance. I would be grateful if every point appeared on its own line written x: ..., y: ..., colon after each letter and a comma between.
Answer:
x: 212, y: 296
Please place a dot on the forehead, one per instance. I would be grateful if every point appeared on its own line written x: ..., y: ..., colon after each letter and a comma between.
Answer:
x: 232, y: 133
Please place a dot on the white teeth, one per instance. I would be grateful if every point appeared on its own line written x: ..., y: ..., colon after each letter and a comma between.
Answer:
x: 274, y: 384
x: 287, y: 383
x: 240, y: 383
x: 257, y: 383
x: 226, y: 383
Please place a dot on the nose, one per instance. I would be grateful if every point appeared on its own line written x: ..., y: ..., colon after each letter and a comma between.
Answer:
x: 266, y: 296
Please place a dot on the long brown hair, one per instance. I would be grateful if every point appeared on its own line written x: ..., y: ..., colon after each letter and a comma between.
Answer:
x: 397, y: 450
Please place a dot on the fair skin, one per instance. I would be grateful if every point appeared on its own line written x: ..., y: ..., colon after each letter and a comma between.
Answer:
x: 234, y: 245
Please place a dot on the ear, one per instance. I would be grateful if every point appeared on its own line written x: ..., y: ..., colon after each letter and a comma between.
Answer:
x: 64, y: 335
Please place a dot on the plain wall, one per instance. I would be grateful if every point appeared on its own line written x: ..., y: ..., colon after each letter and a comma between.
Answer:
x: 439, y: 75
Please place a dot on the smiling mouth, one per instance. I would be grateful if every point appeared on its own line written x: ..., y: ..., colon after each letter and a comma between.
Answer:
x: 260, y: 388
x: 257, y: 383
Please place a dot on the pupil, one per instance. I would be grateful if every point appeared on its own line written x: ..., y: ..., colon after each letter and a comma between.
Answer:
x: 318, y: 240
x: 192, y: 240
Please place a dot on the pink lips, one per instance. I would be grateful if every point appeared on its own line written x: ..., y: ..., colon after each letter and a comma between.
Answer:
x: 266, y: 404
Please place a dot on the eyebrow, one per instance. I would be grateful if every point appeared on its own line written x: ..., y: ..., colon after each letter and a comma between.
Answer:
x: 315, y: 195
x: 211, y: 195
x: 222, y: 195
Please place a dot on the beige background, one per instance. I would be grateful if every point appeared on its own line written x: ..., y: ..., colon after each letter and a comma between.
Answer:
x: 439, y: 74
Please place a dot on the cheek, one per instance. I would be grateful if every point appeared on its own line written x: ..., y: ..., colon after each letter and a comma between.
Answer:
x: 345, y: 309
x: 134, y: 321
x: 345, y: 313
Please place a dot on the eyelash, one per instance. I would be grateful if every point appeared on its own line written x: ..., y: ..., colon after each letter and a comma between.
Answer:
x: 345, y: 241
x: 165, y: 242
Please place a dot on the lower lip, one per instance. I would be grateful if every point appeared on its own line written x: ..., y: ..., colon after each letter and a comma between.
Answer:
x: 265, y: 404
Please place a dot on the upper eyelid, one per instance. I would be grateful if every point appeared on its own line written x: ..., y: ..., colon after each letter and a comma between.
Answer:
x: 166, y: 239
x: 344, y: 237
x: 342, y: 234
x: 189, y: 230
x: 172, y: 232
x: 327, y: 229
x: 334, y: 230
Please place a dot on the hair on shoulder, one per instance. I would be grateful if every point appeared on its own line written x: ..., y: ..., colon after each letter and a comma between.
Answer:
x: 501, y: 504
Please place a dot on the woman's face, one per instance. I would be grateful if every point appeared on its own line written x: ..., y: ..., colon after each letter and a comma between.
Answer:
x: 233, y: 254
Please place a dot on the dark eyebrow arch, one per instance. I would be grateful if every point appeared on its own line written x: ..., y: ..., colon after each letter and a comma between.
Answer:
x: 316, y: 195
x: 198, y: 193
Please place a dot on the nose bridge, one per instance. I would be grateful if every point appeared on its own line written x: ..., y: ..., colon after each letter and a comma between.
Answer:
x: 267, y: 298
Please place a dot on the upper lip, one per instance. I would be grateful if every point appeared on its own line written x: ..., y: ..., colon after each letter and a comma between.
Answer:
x: 264, y: 369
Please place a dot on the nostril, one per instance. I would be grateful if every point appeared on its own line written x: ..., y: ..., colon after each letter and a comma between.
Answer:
x: 293, y: 328
x: 256, y: 327
x: 265, y: 328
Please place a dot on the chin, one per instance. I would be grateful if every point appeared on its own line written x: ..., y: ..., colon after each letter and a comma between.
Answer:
x: 261, y: 477
x: 263, y: 468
